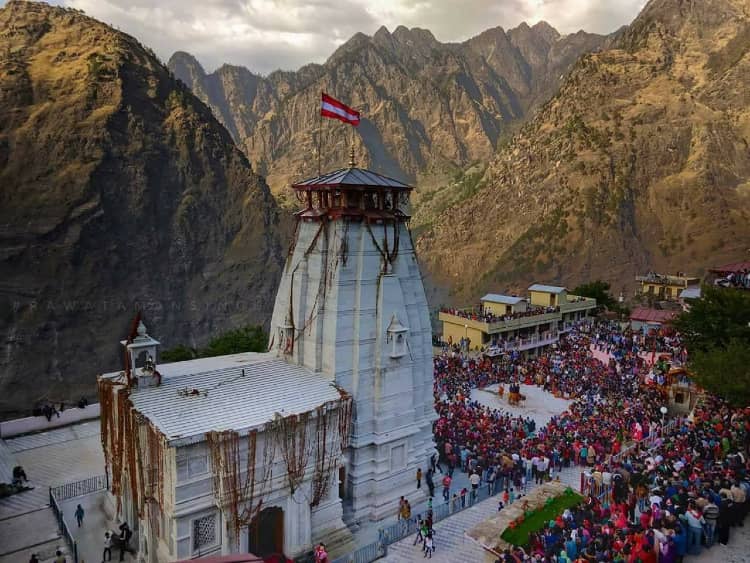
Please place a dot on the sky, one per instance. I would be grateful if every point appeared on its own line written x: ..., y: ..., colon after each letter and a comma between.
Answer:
x: 265, y: 35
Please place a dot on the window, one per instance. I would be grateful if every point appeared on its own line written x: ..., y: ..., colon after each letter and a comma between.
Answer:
x: 197, y: 465
x: 204, y: 532
x: 191, y: 467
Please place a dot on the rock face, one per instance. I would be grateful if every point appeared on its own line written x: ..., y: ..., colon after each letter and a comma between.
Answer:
x: 427, y: 106
x: 640, y: 161
x: 118, y: 191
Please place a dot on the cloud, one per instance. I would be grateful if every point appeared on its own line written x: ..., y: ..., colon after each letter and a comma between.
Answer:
x: 264, y: 35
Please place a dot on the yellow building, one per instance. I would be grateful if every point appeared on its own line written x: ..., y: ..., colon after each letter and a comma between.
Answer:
x: 505, y: 322
x: 665, y: 286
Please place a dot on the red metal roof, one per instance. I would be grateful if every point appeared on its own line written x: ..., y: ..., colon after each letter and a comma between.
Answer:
x: 733, y: 267
x: 644, y: 314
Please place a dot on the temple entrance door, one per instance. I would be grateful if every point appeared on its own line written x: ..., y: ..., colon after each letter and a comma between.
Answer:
x: 266, y: 532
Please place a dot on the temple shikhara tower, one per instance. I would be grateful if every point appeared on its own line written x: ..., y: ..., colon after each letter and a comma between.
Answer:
x: 351, y: 306
x: 273, y: 452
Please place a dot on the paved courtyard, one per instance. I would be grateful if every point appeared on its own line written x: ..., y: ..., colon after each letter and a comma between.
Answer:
x: 62, y: 455
x: 539, y: 405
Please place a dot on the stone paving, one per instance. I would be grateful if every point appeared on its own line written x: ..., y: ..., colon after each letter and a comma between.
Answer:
x: 54, y: 457
x: 540, y: 406
x: 451, y: 543
x: 28, y: 530
x: 96, y: 521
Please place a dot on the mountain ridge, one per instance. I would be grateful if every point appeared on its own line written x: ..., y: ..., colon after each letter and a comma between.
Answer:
x: 640, y: 162
x: 119, y: 191
x: 428, y: 107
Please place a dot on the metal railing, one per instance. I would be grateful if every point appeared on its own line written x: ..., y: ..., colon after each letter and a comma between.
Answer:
x: 80, y: 488
x: 649, y: 442
x: 365, y: 554
x: 403, y: 528
x: 63, y: 525
x: 591, y: 487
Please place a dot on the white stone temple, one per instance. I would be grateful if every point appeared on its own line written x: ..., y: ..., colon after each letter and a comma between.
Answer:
x: 274, y: 452
x: 223, y: 455
x: 351, y: 306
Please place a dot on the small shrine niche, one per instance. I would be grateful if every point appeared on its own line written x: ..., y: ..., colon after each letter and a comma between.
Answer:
x: 142, y: 355
x: 396, y: 337
x: 286, y: 336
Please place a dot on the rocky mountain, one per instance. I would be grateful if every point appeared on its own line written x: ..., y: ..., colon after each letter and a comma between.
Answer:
x: 428, y: 107
x: 119, y: 191
x: 641, y: 161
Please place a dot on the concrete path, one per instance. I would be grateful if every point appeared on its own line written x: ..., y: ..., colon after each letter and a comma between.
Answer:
x: 27, y: 523
x: 28, y: 530
x: 451, y: 543
x: 53, y: 458
x: 96, y: 521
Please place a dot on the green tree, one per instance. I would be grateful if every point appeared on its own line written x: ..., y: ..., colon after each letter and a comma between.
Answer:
x: 245, y: 339
x: 598, y: 290
x: 725, y: 371
x: 716, y: 332
x: 179, y: 353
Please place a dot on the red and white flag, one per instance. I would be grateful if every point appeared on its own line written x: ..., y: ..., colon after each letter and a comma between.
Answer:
x: 330, y: 107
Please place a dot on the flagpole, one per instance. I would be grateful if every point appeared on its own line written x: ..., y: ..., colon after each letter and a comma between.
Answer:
x: 320, y: 135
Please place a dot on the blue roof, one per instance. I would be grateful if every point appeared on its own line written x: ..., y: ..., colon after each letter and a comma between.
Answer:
x: 352, y: 177
x: 504, y: 299
x: 691, y: 293
x: 546, y: 288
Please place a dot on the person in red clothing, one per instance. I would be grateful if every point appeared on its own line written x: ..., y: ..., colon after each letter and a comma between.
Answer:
x: 446, y: 487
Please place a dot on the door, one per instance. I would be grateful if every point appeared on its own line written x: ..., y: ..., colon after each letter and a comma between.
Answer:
x: 267, y: 532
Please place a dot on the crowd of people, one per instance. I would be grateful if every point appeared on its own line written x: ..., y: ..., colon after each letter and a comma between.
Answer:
x: 660, y: 504
x: 686, y: 490
x: 739, y: 279
x: 485, y: 315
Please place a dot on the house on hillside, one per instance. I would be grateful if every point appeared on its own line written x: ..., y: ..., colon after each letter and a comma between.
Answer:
x: 665, y: 286
x: 507, y: 323
x: 645, y: 319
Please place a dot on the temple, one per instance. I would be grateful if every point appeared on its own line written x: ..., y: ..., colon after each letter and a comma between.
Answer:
x: 351, y: 307
x: 273, y: 452
x: 223, y: 455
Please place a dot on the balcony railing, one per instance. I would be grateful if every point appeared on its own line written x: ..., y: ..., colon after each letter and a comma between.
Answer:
x: 499, y: 325
x: 576, y: 303
x: 521, y: 344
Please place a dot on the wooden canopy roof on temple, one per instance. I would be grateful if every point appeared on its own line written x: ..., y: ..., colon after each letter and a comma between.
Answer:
x: 352, y: 192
